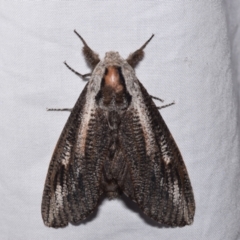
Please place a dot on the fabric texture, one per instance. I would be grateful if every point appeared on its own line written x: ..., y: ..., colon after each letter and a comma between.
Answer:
x: 193, y: 60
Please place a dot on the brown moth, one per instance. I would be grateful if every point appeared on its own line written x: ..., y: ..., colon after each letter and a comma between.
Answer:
x: 115, y: 141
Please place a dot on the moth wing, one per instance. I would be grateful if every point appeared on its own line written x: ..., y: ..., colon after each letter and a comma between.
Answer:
x: 159, y: 181
x: 72, y: 187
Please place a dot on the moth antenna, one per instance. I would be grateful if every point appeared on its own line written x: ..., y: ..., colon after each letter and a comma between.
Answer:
x: 91, y: 57
x: 146, y: 43
x: 135, y: 57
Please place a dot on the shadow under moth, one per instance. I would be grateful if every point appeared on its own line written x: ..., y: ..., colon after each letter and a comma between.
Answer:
x: 115, y: 141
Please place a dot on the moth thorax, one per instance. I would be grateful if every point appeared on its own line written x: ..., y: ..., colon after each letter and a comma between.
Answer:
x: 112, y: 79
x: 112, y: 87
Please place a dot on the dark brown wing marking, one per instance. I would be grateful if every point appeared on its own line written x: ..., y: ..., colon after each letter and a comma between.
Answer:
x: 161, y: 185
x: 72, y: 186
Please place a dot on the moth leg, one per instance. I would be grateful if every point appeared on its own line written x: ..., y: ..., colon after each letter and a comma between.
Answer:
x: 159, y: 99
x: 59, y: 109
x: 84, y: 77
x: 167, y: 105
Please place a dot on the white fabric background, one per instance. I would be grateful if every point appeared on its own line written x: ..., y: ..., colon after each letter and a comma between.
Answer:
x: 190, y: 60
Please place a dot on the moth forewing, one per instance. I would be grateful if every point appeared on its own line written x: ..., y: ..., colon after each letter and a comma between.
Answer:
x: 115, y: 140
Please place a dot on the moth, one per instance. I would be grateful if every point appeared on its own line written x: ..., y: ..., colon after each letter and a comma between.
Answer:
x: 115, y: 141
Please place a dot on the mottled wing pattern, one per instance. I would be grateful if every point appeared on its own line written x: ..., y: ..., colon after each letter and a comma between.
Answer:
x: 72, y: 186
x: 159, y: 180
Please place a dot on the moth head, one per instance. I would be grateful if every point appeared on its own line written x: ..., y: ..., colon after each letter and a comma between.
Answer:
x: 91, y: 57
x: 135, y: 57
x: 113, y: 59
